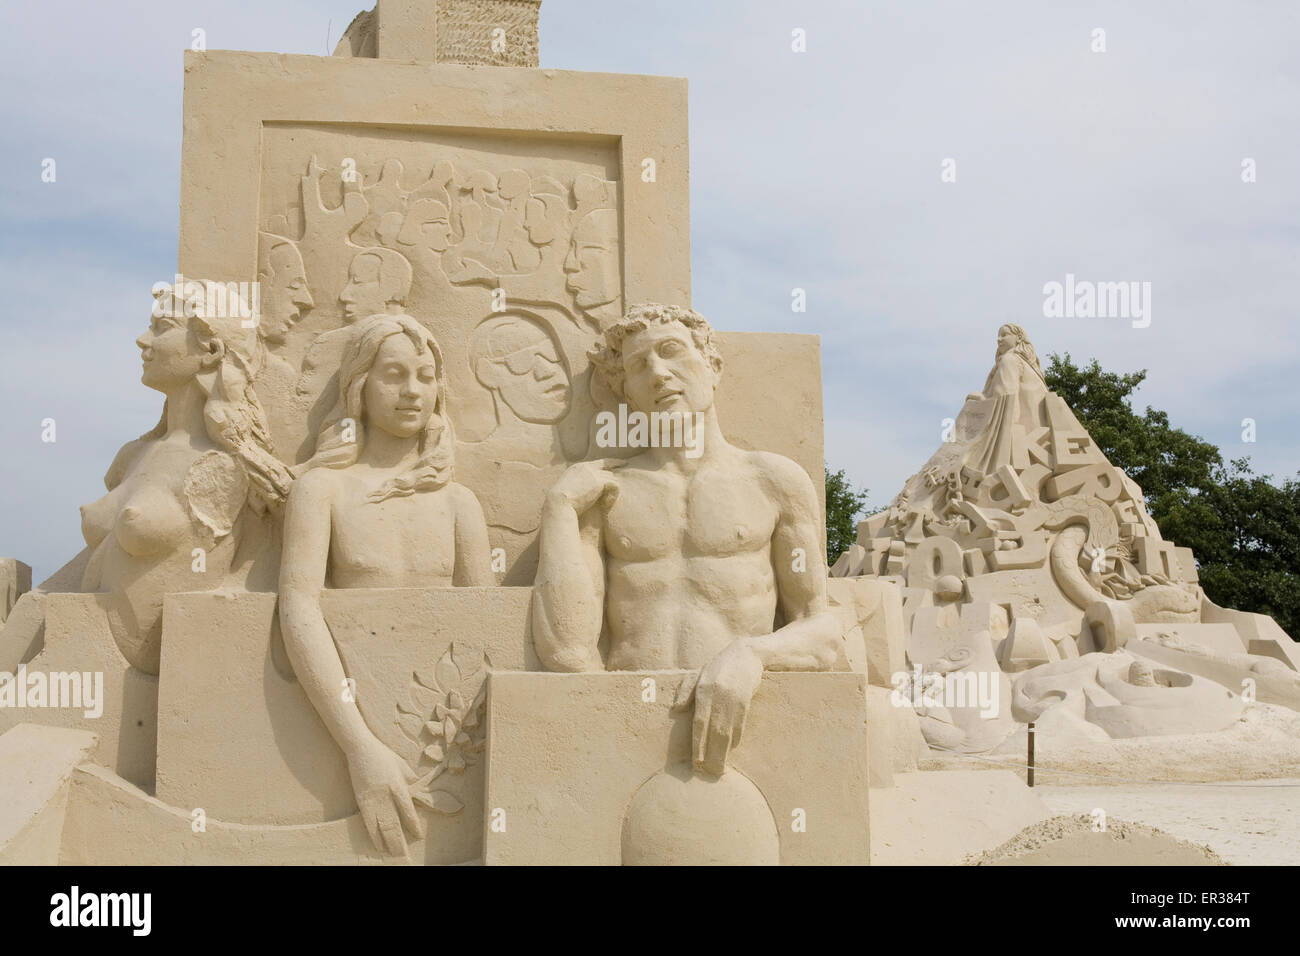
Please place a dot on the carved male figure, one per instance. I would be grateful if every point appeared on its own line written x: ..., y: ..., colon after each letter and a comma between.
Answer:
x: 711, y: 562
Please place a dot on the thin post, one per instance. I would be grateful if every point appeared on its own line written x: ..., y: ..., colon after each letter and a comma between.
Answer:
x: 1031, y: 753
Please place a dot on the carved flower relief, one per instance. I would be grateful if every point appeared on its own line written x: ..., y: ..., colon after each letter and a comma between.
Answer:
x: 445, y: 720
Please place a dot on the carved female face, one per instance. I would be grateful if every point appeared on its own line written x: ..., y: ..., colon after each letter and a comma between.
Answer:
x: 401, y: 389
x: 1007, y: 340
x: 170, y: 353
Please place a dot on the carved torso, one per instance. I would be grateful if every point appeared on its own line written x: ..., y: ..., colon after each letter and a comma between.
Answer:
x: 399, y: 542
x: 166, y: 527
x: 689, y: 565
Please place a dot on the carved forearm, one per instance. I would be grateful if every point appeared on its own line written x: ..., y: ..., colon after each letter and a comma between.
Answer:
x: 808, y: 644
x: 316, y: 662
x: 568, y: 608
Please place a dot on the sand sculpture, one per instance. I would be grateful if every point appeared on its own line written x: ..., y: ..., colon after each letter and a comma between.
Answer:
x: 395, y: 426
x: 438, y: 553
x: 687, y: 553
x: 1023, y: 553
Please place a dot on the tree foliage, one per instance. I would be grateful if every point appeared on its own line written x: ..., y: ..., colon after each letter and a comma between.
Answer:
x: 1243, y: 528
x: 843, y: 505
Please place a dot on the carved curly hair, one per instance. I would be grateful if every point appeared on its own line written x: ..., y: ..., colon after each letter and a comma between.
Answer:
x: 608, y: 358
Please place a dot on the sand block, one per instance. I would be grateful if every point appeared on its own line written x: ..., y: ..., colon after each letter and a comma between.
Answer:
x: 1221, y: 638
x: 1261, y: 633
x: 36, y: 766
x: 112, y: 823
x: 78, y: 641
x: 871, y: 612
x: 567, y: 753
x: 15, y: 581
x: 239, y: 737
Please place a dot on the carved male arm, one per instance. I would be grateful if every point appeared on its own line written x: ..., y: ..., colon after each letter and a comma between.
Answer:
x: 809, y: 641
x: 569, y: 590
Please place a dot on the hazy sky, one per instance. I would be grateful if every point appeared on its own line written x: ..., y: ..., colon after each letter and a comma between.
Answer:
x: 818, y: 170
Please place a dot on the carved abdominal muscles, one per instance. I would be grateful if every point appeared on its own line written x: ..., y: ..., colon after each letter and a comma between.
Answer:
x: 382, y: 513
x: 177, y: 498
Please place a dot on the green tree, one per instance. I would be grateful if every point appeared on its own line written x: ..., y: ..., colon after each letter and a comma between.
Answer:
x: 1243, y: 528
x: 843, y: 505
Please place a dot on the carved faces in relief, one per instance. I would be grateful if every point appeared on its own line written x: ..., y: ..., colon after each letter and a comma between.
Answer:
x: 518, y: 361
x: 379, y: 281
x: 285, y: 296
x: 592, y: 262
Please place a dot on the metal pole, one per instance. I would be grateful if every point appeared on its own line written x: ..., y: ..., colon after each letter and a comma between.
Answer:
x: 1031, y: 753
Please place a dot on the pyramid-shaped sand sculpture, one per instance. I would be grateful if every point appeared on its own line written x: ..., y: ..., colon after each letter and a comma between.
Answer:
x: 1019, y: 546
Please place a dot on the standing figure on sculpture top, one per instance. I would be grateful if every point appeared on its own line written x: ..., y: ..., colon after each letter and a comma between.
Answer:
x: 1017, y: 388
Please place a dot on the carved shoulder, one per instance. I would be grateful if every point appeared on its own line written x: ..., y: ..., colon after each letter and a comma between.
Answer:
x: 216, y: 489
x: 789, y: 484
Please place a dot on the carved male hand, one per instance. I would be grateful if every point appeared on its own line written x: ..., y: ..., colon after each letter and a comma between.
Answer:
x: 722, y: 695
x: 381, y: 783
x: 585, y: 483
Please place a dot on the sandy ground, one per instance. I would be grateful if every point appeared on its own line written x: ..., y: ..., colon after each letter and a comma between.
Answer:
x: 1247, y: 823
x: 1263, y: 744
x: 1236, y: 791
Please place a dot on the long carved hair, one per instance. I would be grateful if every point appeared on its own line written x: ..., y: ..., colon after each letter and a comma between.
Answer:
x: 433, y: 470
x: 232, y: 414
x: 1024, y: 348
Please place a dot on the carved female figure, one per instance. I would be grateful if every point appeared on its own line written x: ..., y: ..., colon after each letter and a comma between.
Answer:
x: 179, y: 495
x: 382, y: 512
x: 1017, y: 388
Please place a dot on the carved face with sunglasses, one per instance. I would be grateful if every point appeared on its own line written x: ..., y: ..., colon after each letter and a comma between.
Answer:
x: 517, y: 360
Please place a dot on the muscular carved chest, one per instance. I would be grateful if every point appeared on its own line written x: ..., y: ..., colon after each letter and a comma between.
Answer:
x: 710, y: 514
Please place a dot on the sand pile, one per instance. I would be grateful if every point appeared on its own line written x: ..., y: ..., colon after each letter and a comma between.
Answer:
x: 1077, y: 840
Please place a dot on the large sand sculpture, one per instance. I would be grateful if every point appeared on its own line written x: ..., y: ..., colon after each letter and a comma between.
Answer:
x: 462, y: 538
x: 1028, y: 561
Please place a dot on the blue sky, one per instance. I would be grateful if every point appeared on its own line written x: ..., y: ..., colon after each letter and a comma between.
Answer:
x: 818, y: 170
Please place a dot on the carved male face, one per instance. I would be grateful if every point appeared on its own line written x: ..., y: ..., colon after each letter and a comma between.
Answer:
x: 663, y: 371
x: 170, y: 353
x: 285, y: 296
x: 363, y: 296
x: 592, y: 262
x: 519, y: 361
x: 427, y: 224
x: 401, y: 389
